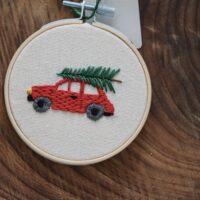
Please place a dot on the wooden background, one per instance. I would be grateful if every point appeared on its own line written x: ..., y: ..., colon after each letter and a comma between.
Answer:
x: 164, y: 161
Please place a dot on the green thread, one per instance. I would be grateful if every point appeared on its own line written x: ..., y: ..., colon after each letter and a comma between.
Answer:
x: 78, y: 12
x: 96, y: 76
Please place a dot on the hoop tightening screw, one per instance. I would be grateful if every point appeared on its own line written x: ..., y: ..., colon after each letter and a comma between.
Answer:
x: 102, y: 10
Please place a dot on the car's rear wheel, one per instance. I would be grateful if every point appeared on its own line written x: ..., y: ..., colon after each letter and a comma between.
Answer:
x: 41, y: 104
x: 95, y: 111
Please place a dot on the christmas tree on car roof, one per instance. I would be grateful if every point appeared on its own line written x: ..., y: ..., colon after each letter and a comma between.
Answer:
x: 99, y: 77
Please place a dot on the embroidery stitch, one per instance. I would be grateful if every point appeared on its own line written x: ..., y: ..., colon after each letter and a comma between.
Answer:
x: 98, y: 77
x: 94, y: 105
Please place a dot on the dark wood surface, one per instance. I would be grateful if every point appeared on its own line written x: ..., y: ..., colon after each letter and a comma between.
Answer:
x: 164, y: 161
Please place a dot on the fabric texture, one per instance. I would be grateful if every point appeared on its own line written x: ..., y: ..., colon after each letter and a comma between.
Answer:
x: 69, y: 135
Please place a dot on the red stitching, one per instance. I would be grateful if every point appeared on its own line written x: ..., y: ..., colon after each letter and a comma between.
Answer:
x: 66, y: 100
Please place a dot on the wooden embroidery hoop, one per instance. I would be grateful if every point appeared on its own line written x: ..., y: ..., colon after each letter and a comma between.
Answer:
x: 46, y: 154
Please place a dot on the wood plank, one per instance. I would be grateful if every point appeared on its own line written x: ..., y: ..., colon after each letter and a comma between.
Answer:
x: 164, y: 161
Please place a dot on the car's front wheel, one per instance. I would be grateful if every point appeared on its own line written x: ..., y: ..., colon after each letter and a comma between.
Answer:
x: 41, y: 104
x: 95, y: 111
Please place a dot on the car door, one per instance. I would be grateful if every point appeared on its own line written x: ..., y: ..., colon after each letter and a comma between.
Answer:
x: 68, y: 96
x: 61, y: 100
x: 75, y: 91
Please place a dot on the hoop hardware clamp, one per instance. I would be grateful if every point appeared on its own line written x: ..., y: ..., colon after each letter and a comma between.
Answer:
x: 102, y: 10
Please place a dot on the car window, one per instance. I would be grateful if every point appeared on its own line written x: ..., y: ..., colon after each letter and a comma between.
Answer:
x: 75, y: 87
x: 90, y: 89
x: 63, y: 86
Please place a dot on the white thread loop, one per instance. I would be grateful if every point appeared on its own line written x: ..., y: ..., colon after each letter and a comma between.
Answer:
x: 82, y: 10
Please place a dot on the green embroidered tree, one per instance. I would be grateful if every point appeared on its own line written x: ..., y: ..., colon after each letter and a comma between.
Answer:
x: 96, y: 76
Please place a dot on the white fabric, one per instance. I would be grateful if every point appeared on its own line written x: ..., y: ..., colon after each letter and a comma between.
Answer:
x: 68, y: 135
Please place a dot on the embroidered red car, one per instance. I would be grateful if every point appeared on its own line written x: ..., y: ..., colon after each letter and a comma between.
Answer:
x: 51, y: 96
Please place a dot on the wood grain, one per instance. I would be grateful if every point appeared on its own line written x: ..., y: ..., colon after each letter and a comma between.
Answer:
x: 164, y: 161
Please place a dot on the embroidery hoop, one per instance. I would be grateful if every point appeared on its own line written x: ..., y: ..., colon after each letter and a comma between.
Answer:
x: 46, y: 154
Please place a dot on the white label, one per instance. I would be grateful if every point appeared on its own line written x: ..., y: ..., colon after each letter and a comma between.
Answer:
x: 126, y: 18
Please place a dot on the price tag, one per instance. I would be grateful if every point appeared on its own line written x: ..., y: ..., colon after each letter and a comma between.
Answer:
x: 126, y: 18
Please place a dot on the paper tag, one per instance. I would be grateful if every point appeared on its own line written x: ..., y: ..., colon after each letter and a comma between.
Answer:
x: 126, y: 18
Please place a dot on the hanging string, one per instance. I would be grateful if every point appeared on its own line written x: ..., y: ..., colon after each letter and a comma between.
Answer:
x: 78, y: 12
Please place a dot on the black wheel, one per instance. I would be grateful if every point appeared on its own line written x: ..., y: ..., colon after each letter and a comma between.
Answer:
x: 41, y: 104
x: 95, y: 112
